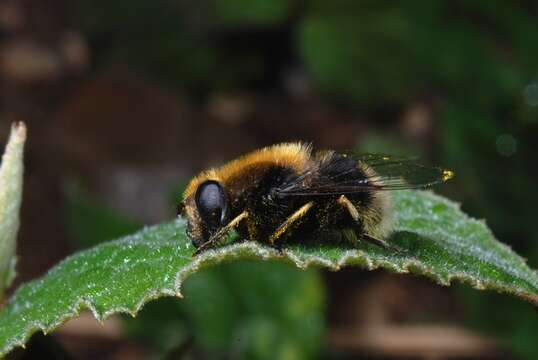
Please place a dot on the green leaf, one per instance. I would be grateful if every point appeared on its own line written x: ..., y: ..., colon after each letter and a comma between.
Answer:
x: 10, y: 202
x: 436, y: 238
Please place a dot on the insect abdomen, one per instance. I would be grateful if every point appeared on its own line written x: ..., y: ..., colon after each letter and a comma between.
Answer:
x: 372, y: 206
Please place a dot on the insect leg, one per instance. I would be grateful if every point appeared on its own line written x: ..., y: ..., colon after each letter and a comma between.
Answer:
x: 284, y: 227
x: 348, y: 205
x: 354, y: 213
x: 221, y: 234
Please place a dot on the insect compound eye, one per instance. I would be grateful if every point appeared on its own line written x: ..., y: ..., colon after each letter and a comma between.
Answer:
x: 212, y: 204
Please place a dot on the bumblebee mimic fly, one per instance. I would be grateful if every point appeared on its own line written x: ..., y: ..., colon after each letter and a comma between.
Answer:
x: 273, y: 194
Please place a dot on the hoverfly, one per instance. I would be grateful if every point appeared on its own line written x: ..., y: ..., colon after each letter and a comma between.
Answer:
x: 275, y: 192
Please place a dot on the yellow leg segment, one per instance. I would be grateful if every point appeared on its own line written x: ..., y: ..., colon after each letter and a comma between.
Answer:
x: 219, y: 235
x: 283, y: 228
x: 348, y: 205
x: 354, y: 213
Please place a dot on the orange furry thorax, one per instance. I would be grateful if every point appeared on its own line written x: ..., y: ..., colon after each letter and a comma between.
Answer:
x: 296, y: 156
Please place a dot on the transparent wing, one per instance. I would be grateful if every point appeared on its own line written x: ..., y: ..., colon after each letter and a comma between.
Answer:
x: 351, y: 173
x: 394, y: 173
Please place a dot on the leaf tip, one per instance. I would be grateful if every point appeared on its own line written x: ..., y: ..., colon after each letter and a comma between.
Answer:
x: 11, y: 170
x: 20, y: 127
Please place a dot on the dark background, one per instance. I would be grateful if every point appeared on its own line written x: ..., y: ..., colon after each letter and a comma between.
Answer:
x: 126, y: 100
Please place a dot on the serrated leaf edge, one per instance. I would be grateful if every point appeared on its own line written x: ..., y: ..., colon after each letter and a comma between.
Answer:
x: 252, y: 250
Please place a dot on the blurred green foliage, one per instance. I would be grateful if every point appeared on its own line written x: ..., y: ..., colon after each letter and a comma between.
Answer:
x: 244, y: 13
x: 186, y: 44
x: 90, y: 222
x: 262, y: 312
x: 512, y: 323
x: 383, y: 52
